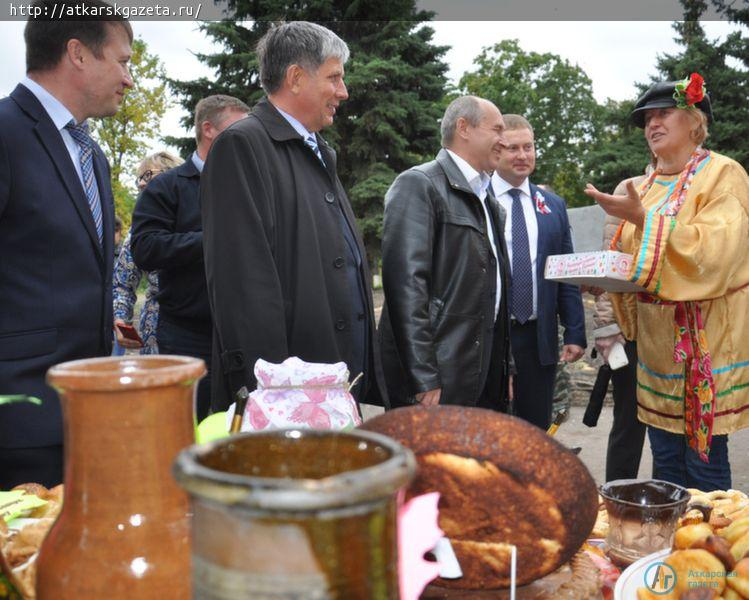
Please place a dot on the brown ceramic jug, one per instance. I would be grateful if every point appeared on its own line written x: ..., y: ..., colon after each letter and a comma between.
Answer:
x: 124, y: 527
x: 296, y: 514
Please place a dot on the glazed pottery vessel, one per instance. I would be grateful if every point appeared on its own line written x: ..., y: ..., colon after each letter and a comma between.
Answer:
x: 303, y: 514
x: 124, y: 527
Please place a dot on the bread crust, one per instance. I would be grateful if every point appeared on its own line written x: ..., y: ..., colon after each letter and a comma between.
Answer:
x: 502, y: 481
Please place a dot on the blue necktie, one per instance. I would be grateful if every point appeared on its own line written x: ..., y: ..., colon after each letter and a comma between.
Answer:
x: 86, y: 157
x: 522, y: 270
x: 311, y: 141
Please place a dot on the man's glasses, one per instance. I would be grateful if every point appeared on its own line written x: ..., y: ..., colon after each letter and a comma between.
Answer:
x: 148, y: 175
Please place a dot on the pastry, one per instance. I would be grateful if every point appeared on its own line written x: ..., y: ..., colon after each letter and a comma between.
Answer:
x: 700, y: 593
x: 601, y: 527
x: 740, y: 548
x: 730, y: 594
x: 719, y: 548
x: 735, y: 530
x: 696, y: 568
x: 739, y: 581
x: 689, y: 534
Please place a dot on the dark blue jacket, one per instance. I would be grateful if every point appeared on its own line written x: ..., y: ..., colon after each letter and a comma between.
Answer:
x: 55, y: 278
x: 168, y: 238
x: 557, y: 302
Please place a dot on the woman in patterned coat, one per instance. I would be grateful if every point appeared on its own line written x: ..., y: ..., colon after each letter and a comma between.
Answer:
x: 127, y: 275
x: 687, y: 227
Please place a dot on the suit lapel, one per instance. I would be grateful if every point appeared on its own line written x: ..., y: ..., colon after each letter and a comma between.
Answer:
x: 541, y: 228
x: 281, y: 130
x: 51, y: 139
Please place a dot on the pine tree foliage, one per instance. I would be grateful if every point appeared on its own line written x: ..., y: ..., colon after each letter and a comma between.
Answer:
x: 726, y: 80
x: 395, y: 78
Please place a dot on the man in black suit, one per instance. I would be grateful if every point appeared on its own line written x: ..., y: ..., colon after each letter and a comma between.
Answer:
x: 56, y: 227
x: 286, y: 268
x: 168, y: 238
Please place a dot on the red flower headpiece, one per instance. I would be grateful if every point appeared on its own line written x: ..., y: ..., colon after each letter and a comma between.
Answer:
x: 690, y: 91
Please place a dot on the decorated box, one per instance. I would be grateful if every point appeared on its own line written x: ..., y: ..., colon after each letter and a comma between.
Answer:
x: 606, y: 269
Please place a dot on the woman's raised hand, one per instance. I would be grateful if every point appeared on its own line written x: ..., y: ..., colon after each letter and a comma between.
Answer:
x: 628, y: 207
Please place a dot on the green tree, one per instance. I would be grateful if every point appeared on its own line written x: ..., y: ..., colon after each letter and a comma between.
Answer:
x: 395, y: 77
x: 737, y: 12
x: 727, y: 84
x: 619, y: 152
x: 555, y: 96
x: 125, y: 137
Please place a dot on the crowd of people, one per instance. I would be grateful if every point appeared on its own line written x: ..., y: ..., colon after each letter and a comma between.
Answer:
x: 251, y: 250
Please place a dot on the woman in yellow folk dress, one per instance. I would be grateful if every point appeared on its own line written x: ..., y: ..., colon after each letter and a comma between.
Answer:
x: 687, y: 227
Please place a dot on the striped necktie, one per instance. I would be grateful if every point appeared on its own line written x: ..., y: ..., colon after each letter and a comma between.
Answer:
x: 80, y: 134
x: 311, y: 141
x: 522, y: 270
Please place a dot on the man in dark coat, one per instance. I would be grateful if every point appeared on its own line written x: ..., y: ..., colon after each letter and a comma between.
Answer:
x: 445, y: 326
x: 168, y: 238
x: 56, y: 228
x: 286, y: 268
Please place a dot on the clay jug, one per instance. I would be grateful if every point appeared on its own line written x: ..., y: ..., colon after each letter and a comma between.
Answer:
x: 124, y: 527
x: 297, y: 514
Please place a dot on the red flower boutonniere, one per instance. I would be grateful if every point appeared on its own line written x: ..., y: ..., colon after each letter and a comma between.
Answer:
x: 541, y: 206
x: 690, y: 91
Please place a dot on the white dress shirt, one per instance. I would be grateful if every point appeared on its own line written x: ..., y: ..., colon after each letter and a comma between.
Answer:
x: 197, y: 161
x: 479, y: 183
x: 501, y: 192
x: 60, y: 116
x: 295, y: 123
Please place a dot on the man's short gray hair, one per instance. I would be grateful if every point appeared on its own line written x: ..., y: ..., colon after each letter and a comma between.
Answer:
x: 466, y: 107
x: 305, y: 44
x: 211, y: 108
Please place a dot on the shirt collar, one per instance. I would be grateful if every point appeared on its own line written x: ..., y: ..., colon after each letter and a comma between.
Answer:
x: 478, y: 181
x: 56, y: 110
x: 500, y: 186
x: 198, y: 162
x: 298, y: 127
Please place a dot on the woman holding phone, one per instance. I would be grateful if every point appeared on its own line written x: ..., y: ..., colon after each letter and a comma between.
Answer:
x: 127, y: 276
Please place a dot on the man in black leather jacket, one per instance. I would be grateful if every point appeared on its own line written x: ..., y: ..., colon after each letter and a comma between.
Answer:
x: 445, y: 324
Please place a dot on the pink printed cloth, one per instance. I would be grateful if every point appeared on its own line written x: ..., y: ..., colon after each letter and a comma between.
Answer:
x: 300, y: 394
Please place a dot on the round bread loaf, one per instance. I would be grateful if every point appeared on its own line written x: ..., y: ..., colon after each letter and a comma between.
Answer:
x: 501, y: 481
